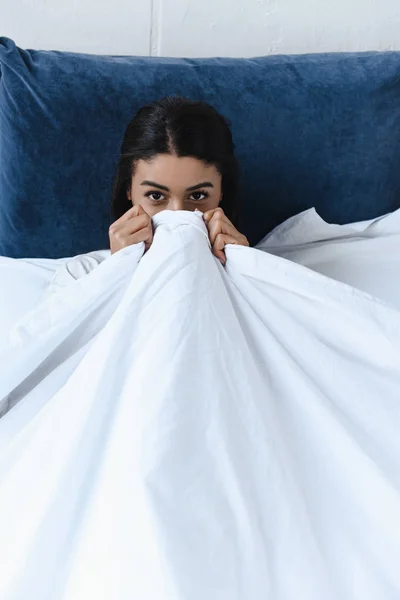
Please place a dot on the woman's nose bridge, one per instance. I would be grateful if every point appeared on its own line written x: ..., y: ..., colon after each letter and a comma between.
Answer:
x: 176, y: 204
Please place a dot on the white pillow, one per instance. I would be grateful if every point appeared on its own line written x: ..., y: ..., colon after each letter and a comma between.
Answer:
x: 365, y: 254
x: 75, y: 267
x: 23, y: 282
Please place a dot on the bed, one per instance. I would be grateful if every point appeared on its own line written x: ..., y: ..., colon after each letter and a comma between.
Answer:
x: 173, y: 428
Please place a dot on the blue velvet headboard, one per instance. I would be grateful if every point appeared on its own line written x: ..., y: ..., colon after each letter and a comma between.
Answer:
x: 317, y: 130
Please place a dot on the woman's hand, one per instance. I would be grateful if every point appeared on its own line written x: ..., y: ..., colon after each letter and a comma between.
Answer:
x: 133, y: 227
x: 222, y: 232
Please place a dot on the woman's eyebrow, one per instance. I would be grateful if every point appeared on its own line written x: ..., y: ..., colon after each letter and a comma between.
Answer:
x: 153, y: 184
x: 204, y: 184
x: 164, y: 187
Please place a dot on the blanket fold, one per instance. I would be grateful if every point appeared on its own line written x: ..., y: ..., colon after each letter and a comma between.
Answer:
x: 177, y: 430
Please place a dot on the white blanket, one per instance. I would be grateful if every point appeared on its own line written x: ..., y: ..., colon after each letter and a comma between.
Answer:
x: 184, y: 431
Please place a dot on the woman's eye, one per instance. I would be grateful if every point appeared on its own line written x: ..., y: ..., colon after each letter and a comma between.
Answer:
x: 159, y: 197
x: 204, y: 194
x: 150, y: 194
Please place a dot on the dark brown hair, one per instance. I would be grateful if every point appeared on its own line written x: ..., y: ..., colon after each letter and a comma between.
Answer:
x: 184, y: 127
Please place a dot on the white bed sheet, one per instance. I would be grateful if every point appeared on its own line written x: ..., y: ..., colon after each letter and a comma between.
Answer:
x: 182, y: 430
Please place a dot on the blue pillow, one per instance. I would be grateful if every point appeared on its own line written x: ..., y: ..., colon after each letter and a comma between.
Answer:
x: 310, y: 130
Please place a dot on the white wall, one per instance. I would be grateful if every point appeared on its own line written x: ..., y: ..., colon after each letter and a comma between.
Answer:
x: 202, y: 27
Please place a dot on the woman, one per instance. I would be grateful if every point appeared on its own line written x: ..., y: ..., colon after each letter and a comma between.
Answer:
x: 176, y: 154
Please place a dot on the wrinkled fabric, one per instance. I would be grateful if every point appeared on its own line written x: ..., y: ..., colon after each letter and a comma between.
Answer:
x: 177, y: 429
x: 364, y: 255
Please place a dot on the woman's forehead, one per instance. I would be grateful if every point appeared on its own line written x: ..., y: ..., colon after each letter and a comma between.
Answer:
x: 175, y: 170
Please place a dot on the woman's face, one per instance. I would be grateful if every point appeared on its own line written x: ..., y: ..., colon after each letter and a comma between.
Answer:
x: 170, y: 182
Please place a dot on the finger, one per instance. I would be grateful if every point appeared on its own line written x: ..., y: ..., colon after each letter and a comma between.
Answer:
x: 134, y: 211
x: 210, y: 213
x: 131, y: 226
x: 219, y: 223
x: 215, y: 225
x: 140, y: 222
x: 144, y: 235
x: 218, y: 215
x: 127, y: 235
x: 219, y: 245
